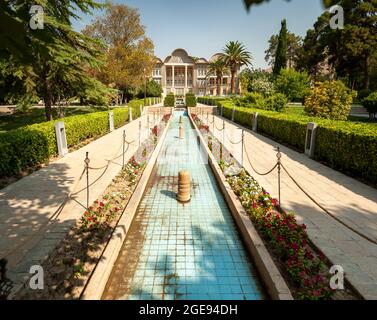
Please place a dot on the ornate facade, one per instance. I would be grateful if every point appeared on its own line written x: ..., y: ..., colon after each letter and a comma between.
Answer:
x: 180, y: 73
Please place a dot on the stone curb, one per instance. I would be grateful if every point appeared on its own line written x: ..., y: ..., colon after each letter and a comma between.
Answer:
x: 271, y: 276
x: 97, y: 282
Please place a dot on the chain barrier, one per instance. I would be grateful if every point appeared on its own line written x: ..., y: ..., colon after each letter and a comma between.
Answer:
x: 232, y: 142
x: 280, y: 166
x: 6, y: 284
x: 221, y: 129
x: 325, y: 210
x: 255, y: 170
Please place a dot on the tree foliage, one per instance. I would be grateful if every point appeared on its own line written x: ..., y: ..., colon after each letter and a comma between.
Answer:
x: 294, y: 45
x: 128, y: 56
x: 217, y: 68
x: 56, y: 58
x: 235, y: 56
x: 281, y: 57
x: 153, y: 90
x: 294, y: 84
x: 252, y: 79
x: 349, y: 51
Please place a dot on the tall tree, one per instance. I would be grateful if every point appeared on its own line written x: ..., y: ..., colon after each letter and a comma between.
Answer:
x: 129, y: 51
x: 217, y: 68
x: 235, y: 56
x: 281, y: 50
x: 350, y: 50
x: 55, y: 53
x: 294, y: 46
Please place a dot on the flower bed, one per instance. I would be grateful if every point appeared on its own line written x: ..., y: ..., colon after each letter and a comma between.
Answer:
x: 305, y: 269
x: 70, y: 265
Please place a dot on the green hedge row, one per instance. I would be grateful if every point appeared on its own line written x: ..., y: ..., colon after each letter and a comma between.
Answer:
x: 169, y: 100
x: 32, y: 145
x: 190, y: 100
x: 346, y: 146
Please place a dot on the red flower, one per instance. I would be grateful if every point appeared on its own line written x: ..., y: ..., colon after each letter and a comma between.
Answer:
x: 255, y: 206
x: 295, y: 246
x: 101, y: 204
x: 275, y: 202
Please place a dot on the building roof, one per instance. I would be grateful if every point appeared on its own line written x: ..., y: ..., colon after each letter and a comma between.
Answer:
x: 215, y: 57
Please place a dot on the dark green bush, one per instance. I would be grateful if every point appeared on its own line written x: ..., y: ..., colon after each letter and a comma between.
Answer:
x: 276, y: 102
x: 294, y: 84
x: 32, y: 145
x: 370, y: 103
x: 190, y: 100
x: 169, y: 100
x: 254, y: 100
x: 362, y: 94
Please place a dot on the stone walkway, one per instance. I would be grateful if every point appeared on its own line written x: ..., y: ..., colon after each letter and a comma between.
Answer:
x: 354, y: 203
x: 26, y: 237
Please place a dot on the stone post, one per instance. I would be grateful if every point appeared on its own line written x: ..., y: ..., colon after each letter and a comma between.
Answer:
x: 311, y: 132
x: 111, y: 121
x: 254, y: 125
x: 61, y: 138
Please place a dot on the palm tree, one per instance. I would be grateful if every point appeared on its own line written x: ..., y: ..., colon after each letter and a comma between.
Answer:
x: 234, y: 56
x: 217, y: 68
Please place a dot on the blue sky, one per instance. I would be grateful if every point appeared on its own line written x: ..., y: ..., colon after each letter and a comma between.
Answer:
x: 202, y: 27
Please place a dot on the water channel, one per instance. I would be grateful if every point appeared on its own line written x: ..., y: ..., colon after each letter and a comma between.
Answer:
x: 187, y: 251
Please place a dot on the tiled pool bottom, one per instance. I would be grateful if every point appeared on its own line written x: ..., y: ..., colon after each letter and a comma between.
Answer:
x: 183, y: 252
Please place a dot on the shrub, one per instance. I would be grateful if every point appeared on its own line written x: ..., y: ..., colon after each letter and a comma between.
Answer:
x: 190, y: 100
x: 294, y: 84
x: 370, y: 103
x: 169, y: 100
x: 329, y: 99
x: 276, y: 102
x: 262, y: 86
x: 153, y: 90
x: 362, y: 94
x: 254, y: 100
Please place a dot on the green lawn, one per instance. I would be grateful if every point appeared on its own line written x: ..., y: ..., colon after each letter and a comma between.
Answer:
x: 299, y: 110
x: 295, y: 109
x: 33, y: 116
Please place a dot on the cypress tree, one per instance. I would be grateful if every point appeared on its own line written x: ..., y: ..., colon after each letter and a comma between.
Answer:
x: 282, y: 49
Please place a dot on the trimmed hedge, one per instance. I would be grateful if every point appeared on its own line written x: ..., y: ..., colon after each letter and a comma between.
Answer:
x: 32, y: 145
x: 346, y: 146
x: 190, y: 100
x: 169, y: 100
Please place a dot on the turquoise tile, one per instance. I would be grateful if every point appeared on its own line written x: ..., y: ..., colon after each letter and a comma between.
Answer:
x: 198, y: 242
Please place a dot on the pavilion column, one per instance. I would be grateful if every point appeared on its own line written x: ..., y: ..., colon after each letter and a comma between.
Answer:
x: 185, y: 78
x: 173, y: 77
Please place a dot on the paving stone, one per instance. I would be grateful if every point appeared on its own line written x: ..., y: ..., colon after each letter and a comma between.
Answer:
x: 348, y: 199
x: 27, y: 204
